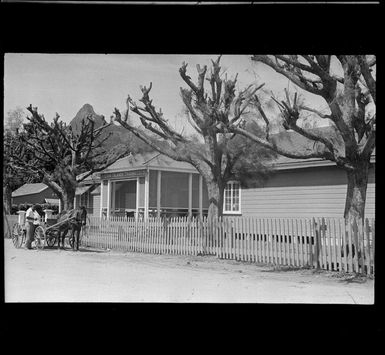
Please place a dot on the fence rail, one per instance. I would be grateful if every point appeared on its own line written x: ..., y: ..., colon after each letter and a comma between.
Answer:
x: 323, y: 243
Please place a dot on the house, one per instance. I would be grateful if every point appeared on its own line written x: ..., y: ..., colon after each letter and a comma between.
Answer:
x: 149, y: 184
x: 155, y: 185
x: 34, y: 193
x: 303, y: 188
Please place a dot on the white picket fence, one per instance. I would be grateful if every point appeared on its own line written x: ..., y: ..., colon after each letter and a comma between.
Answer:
x: 324, y: 243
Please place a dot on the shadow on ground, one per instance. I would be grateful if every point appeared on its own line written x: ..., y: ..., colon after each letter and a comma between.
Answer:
x: 356, y: 278
x: 81, y: 250
x: 283, y: 269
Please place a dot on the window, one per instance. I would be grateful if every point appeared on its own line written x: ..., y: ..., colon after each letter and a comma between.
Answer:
x: 232, y: 203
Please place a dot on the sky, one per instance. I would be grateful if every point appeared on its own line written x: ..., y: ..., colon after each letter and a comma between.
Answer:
x: 63, y: 83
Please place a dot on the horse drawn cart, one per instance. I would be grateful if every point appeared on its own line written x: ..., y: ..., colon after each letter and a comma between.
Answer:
x: 46, y: 233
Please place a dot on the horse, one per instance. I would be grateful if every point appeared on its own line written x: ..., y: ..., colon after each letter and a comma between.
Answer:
x: 76, y: 218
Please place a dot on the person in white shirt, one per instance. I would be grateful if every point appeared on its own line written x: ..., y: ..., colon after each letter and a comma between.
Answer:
x: 32, y: 220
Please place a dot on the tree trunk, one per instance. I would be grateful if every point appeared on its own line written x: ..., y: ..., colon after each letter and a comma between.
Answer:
x: 68, y: 200
x: 356, y: 192
x: 7, y: 197
x: 215, y: 194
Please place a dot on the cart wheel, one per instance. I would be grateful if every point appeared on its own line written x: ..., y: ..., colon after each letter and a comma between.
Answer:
x: 39, y: 237
x: 50, y: 237
x: 51, y: 240
x: 17, y: 235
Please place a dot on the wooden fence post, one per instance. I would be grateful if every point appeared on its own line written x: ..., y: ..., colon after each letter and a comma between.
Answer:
x: 316, y: 252
x: 355, y: 244
x: 374, y: 242
x: 361, y: 253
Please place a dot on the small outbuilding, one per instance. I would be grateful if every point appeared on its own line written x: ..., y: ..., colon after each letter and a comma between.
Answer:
x: 34, y: 193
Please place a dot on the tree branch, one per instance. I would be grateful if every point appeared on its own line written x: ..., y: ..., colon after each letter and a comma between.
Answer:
x: 366, y: 73
x: 146, y: 139
x: 320, y: 114
x: 186, y: 78
x: 280, y: 150
x: 296, y: 64
x: 297, y: 79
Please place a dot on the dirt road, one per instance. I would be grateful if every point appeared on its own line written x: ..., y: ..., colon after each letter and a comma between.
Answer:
x: 104, y: 276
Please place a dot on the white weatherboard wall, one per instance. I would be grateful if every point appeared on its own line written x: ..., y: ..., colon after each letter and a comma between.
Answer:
x: 310, y: 192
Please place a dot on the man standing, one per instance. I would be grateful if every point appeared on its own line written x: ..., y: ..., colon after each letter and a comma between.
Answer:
x: 32, y: 220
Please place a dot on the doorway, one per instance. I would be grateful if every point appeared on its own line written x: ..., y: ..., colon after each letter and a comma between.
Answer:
x: 124, y: 198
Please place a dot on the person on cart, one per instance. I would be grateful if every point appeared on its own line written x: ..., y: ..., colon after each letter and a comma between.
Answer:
x: 32, y: 221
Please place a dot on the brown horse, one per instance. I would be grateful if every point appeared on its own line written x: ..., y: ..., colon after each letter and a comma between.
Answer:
x: 74, y: 219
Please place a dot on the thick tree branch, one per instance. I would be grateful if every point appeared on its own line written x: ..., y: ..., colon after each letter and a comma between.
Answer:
x: 370, y: 143
x: 156, y: 117
x: 287, y: 153
x: 297, y: 79
x: 101, y: 167
x: 186, y: 78
x: 168, y: 152
x: 366, y: 73
x: 319, y: 113
x: 296, y: 64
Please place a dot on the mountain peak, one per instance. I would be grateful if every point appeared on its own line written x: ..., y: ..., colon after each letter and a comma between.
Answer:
x: 86, y: 109
x: 119, y: 135
x: 82, y: 114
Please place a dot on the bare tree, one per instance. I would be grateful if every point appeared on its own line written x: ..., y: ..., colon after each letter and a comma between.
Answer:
x: 348, y: 97
x: 60, y: 157
x: 211, y: 153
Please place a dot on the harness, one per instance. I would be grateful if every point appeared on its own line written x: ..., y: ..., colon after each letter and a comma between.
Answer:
x: 71, y: 218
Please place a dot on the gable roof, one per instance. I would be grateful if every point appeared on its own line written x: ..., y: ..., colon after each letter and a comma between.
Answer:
x: 80, y: 190
x: 291, y: 141
x: 29, y: 189
x: 93, y: 178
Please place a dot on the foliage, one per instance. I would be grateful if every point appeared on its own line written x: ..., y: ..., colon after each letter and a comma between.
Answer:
x: 59, y: 156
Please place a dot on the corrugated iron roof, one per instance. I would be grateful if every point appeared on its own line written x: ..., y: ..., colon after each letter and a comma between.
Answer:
x: 29, y: 189
x: 293, y: 141
x: 90, y: 178
x: 153, y: 160
x: 289, y: 140
x: 80, y: 190
x: 96, y: 191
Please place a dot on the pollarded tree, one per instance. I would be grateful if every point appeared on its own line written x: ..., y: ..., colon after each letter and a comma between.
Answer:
x: 214, y: 154
x: 61, y: 157
x: 351, y: 101
x: 12, y: 179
